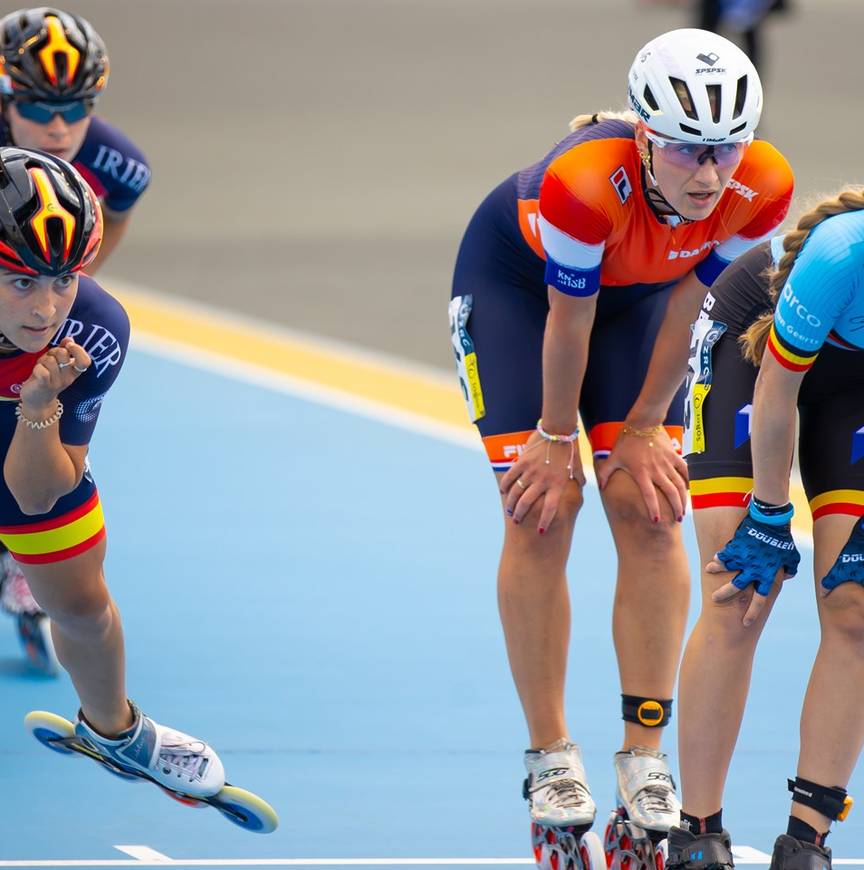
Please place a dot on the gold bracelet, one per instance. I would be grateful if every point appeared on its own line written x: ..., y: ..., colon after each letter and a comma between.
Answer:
x: 39, y: 424
x: 649, y: 432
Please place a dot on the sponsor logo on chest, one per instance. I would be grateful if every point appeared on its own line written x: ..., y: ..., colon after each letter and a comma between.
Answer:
x: 686, y: 254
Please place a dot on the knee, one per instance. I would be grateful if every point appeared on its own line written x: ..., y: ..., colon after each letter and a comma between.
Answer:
x: 524, y: 541
x: 843, y: 616
x: 86, y: 612
x: 628, y: 516
x: 722, y: 625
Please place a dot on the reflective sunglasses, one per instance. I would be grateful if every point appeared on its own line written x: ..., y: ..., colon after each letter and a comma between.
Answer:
x: 692, y: 155
x: 43, y: 113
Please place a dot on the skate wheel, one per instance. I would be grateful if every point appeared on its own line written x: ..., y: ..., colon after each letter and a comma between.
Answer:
x: 246, y: 810
x: 591, y: 852
x: 610, y: 839
x: 50, y: 730
x: 661, y: 853
x: 184, y: 799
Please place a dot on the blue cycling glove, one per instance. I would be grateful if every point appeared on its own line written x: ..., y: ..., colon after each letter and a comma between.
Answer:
x: 849, y: 567
x: 757, y: 551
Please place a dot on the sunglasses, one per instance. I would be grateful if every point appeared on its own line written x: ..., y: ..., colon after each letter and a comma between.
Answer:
x: 691, y: 156
x: 43, y: 113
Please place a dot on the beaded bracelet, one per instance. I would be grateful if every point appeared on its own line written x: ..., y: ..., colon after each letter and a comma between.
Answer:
x: 39, y: 424
x: 551, y: 439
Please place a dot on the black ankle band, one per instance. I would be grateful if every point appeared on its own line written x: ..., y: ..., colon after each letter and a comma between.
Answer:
x: 650, y: 712
x: 831, y: 801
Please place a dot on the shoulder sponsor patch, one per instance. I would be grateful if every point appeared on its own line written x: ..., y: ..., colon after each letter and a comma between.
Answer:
x: 621, y: 183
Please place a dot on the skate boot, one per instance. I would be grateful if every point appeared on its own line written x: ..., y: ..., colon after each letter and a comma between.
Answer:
x: 647, y: 807
x: 31, y: 623
x: 184, y: 768
x: 792, y: 854
x: 169, y: 758
x: 699, y: 851
x: 562, y: 810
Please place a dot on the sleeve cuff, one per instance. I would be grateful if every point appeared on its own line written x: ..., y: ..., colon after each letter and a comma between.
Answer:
x: 570, y: 281
x: 709, y: 269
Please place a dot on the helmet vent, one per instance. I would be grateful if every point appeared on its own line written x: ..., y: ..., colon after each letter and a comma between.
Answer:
x: 740, y: 97
x: 56, y: 238
x: 737, y: 129
x: 691, y: 130
x: 714, y: 96
x: 684, y: 97
x: 649, y: 98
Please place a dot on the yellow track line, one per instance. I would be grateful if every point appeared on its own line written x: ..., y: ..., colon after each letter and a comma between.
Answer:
x: 400, y: 386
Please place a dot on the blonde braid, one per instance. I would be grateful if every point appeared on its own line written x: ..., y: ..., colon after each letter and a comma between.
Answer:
x: 754, y: 339
x: 609, y: 115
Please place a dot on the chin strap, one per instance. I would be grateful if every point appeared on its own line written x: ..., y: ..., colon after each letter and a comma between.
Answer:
x: 662, y: 209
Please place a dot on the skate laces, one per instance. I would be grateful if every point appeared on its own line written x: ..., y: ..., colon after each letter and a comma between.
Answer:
x: 567, y: 793
x: 185, y: 755
x: 658, y: 799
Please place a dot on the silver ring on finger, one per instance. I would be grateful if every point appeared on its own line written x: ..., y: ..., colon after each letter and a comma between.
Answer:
x: 64, y: 365
x: 520, y: 484
x: 79, y: 369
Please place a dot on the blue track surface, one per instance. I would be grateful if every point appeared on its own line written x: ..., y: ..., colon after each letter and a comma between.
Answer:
x: 313, y: 592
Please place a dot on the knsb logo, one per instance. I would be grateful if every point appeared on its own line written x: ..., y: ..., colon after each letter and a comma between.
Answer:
x: 567, y: 279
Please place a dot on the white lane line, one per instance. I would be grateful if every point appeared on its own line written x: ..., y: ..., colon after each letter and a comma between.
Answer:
x: 749, y: 855
x: 283, y: 862
x: 144, y: 853
x: 744, y: 855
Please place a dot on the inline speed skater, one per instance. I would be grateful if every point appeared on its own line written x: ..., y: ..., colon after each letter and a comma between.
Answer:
x: 779, y: 335
x: 63, y: 343
x: 574, y: 289
x: 53, y: 69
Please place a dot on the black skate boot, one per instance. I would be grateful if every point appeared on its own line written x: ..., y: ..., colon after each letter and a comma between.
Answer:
x: 699, y: 851
x: 792, y: 854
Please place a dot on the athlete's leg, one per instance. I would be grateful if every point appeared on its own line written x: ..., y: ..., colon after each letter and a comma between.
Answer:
x: 832, y: 728
x: 651, y: 599
x: 87, y: 633
x: 503, y: 385
x: 718, y: 658
x: 534, y: 604
x: 653, y: 584
x: 715, y: 673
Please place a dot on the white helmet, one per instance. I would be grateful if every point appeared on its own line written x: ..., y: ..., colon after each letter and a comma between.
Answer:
x: 695, y: 86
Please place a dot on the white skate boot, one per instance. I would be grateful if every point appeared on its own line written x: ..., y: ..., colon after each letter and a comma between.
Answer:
x: 562, y: 810
x: 169, y: 758
x: 647, y: 807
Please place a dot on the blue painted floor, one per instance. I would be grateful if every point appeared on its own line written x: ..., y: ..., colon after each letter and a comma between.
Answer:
x: 313, y: 593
